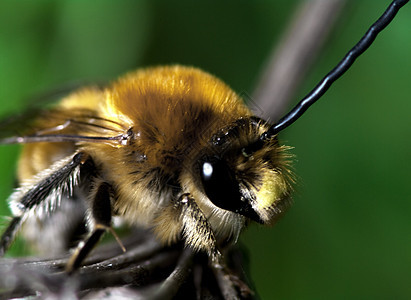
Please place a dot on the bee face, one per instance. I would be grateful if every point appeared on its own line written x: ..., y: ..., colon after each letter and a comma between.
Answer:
x: 232, y: 187
x: 256, y: 185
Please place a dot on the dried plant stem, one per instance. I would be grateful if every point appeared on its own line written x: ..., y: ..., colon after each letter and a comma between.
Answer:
x: 293, y: 55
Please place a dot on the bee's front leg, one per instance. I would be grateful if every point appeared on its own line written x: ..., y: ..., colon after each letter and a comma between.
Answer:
x: 197, y: 231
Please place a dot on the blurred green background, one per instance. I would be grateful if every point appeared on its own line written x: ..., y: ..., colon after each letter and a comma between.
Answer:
x: 348, y: 234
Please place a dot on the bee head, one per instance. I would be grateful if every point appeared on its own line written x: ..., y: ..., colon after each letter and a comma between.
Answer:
x: 254, y: 184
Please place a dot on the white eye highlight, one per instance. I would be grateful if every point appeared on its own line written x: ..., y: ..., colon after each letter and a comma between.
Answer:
x: 207, y: 170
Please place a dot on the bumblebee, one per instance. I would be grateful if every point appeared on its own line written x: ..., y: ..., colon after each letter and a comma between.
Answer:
x: 170, y: 148
x: 166, y: 148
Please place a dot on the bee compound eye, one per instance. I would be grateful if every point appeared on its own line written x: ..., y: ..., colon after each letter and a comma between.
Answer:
x: 220, y: 184
x: 222, y: 188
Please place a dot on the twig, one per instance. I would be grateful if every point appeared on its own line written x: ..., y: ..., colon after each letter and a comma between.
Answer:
x: 146, y: 271
x: 291, y: 58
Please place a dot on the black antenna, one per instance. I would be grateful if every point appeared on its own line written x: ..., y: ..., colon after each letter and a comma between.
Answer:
x: 335, y: 73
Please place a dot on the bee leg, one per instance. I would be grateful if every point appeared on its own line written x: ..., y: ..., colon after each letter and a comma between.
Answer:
x: 8, y: 236
x: 197, y: 232
x: 62, y: 176
x: 231, y: 284
x: 101, y: 218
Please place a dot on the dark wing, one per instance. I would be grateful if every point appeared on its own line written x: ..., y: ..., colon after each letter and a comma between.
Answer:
x: 18, y: 124
x: 39, y: 124
x: 61, y: 126
x: 15, y: 124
